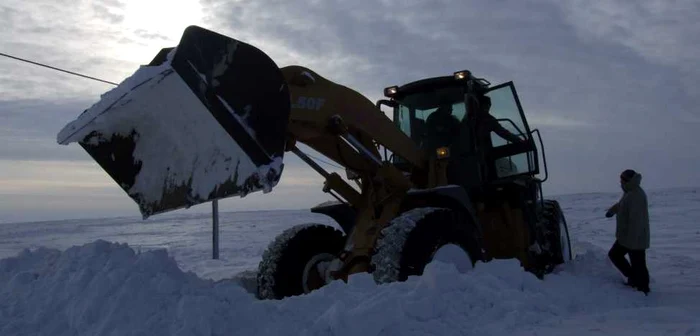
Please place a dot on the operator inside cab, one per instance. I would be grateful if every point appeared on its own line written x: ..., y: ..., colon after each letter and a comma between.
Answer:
x: 441, y: 127
x: 484, y: 123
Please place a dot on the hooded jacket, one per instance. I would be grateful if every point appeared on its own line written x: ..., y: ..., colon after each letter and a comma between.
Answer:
x: 632, y: 213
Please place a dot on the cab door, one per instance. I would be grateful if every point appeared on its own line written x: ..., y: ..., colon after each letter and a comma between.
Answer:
x: 508, y: 159
x: 505, y: 212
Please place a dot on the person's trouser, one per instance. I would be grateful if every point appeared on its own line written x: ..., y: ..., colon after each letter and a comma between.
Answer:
x: 636, y: 270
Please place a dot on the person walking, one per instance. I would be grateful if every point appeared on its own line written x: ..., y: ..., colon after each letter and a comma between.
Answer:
x: 632, y: 235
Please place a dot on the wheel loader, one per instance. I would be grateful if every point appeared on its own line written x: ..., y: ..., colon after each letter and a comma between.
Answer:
x: 455, y: 168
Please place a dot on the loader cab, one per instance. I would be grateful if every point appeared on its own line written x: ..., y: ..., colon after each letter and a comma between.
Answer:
x: 498, y: 175
x: 441, y: 115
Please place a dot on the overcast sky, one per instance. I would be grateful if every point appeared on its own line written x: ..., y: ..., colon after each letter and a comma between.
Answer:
x: 610, y: 84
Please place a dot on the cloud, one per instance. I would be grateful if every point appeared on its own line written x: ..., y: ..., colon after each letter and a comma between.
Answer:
x: 562, y: 79
x: 610, y: 84
x: 110, y: 11
x: 65, y: 178
x: 105, y: 39
x: 29, y: 128
x: 553, y: 120
x: 81, y: 187
x: 663, y: 33
x: 667, y: 33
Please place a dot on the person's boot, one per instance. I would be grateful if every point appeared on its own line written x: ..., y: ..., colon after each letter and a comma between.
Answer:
x: 644, y: 289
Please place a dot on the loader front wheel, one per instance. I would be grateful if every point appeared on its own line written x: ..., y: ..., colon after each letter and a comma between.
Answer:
x: 419, y: 236
x: 293, y: 263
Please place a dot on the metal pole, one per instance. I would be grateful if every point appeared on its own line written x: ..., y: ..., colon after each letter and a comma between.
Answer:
x: 215, y: 228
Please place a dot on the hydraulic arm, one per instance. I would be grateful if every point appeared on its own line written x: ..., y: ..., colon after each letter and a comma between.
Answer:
x: 346, y: 127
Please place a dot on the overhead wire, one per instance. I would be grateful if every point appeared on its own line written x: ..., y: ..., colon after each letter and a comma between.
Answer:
x: 324, y: 161
x: 57, y: 69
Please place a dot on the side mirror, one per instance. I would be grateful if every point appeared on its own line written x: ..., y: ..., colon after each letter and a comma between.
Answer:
x: 387, y: 102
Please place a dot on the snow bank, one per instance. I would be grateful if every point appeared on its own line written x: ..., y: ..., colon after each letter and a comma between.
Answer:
x: 106, y: 288
x: 109, y: 289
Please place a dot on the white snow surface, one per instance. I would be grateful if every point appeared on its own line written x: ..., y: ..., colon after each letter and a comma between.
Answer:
x: 124, y: 276
x: 179, y: 139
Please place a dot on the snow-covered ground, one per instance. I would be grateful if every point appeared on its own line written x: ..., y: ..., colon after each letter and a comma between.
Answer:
x: 81, y: 278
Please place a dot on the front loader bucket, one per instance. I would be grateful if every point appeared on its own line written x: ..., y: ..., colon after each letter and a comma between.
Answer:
x: 204, y: 120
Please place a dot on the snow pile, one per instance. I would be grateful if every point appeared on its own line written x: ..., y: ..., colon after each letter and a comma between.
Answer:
x: 178, y: 143
x: 108, y: 289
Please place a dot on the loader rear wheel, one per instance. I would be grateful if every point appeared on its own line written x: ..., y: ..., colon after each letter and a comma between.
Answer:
x: 553, y: 235
x: 558, y: 232
x: 289, y: 265
x: 417, y: 237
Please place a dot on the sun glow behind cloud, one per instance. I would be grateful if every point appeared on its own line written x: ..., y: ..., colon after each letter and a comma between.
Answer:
x: 161, y: 21
x: 163, y: 17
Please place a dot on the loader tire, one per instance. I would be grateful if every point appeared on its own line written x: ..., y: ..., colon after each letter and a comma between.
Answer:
x: 281, y: 270
x: 553, y: 235
x: 410, y: 242
x: 558, y: 232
